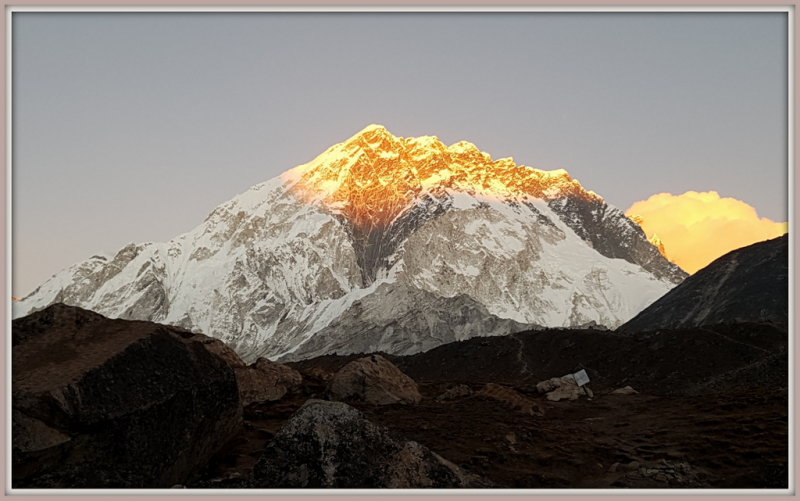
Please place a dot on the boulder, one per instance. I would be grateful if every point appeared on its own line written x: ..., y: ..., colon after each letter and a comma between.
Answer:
x: 265, y: 381
x: 548, y: 385
x: 624, y: 391
x: 109, y: 403
x: 332, y: 445
x: 561, y: 388
x: 225, y: 352
x: 375, y: 380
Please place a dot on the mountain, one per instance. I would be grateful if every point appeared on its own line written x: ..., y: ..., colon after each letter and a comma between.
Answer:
x: 655, y: 240
x: 750, y: 284
x: 382, y: 244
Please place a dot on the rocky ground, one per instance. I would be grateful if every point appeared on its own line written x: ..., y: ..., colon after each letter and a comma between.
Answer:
x: 736, y: 440
x: 112, y: 403
x: 711, y: 410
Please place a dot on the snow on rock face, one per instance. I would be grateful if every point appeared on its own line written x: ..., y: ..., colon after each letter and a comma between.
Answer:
x: 402, y: 320
x: 541, y: 272
x: 235, y: 277
x: 382, y: 243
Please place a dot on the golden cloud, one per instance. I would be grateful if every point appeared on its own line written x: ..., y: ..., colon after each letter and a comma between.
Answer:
x: 697, y: 228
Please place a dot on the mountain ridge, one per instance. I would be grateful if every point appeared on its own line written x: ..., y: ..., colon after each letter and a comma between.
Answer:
x: 749, y: 284
x: 284, y: 260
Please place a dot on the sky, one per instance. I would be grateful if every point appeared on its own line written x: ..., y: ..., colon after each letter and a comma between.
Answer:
x: 132, y: 127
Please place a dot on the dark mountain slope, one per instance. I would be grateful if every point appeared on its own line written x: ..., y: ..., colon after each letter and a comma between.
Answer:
x: 688, y: 361
x: 750, y: 284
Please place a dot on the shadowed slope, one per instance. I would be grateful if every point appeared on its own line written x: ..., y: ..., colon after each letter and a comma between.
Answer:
x: 746, y: 285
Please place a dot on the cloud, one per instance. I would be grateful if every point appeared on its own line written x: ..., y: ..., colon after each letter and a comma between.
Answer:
x: 697, y: 228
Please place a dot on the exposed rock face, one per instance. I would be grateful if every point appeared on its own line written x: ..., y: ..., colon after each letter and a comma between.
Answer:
x: 746, y: 285
x: 331, y: 445
x: 114, y: 403
x: 613, y: 235
x: 266, y: 381
x: 375, y: 380
x: 305, y: 264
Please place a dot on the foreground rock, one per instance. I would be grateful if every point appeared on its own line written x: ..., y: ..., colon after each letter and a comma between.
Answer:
x: 562, y: 388
x: 261, y: 381
x: 114, y: 403
x: 373, y: 379
x: 332, y: 445
x: 266, y: 381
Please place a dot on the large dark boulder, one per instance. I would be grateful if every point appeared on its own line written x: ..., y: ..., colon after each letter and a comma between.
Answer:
x: 115, y: 403
x: 332, y: 445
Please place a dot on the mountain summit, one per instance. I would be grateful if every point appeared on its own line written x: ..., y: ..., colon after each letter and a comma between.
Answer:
x: 383, y: 244
x: 374, y: 181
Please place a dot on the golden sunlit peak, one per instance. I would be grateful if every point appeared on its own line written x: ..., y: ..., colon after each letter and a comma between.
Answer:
x: 370, y: 133
x: 374, y: 176
x: 463, y: 146
x: 556, y: 173
x: 658, y: 244
x: 371, y: 128
x: 635, y: 218
x: 653, y: 239
x: 594, y: 195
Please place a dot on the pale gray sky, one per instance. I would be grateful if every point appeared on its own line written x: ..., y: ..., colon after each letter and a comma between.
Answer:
x: 132, y: 127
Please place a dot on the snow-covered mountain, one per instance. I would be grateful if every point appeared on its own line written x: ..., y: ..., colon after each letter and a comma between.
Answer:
x: 382, y: 243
